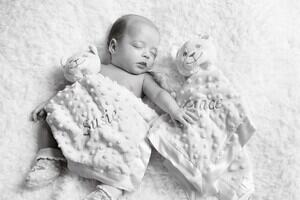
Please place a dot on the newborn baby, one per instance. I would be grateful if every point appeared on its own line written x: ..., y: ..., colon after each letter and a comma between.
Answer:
x: 100, y: 122
x: 207, y: 156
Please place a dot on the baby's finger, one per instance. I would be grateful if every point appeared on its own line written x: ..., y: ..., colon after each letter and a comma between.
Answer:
x: 188, y: 119
x: 34, y: 116
x: 183, y: 121
x: 192, y: 115
x: 177, y: 123
x: 38, y: 115
x: 41, y: 115
x: 174, y: 121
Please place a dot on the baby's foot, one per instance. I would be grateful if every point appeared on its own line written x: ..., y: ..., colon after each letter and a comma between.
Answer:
x: 43, y: 172
x: 99, y: 194
x: 104, y: 192
x: 47, y: 168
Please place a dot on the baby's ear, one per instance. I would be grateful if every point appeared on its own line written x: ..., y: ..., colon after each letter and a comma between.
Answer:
x: 112, y: 46
x: 93, y: 49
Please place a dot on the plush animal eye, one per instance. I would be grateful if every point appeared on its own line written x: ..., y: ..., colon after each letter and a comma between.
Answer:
x: 197, y: 46
x: 153, y: 53
x: 205, y: 37
x: 184, y: 53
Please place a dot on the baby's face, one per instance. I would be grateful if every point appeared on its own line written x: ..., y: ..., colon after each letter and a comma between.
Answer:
x: 137, y: 50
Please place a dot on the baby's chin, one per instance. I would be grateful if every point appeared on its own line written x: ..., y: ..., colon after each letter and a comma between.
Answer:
x: 136, y: 71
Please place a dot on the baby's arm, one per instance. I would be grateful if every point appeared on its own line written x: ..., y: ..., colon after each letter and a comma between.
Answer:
x: 166, y: 102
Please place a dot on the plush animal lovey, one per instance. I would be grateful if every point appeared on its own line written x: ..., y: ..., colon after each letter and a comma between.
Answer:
x: 194, y: 55
x: 208, y: 156
x: 81, y: 64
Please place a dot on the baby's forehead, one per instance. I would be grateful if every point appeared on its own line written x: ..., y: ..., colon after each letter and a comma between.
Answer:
x: 135, y: 26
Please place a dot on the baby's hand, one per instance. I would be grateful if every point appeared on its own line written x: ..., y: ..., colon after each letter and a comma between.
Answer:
x: 184, y: 117
x: 39, y: 113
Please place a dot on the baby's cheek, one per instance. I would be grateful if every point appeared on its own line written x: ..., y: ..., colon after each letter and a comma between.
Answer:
x: 150, y: 65
x: 153, y: 59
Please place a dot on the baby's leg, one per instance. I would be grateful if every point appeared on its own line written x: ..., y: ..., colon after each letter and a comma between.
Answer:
x: 46, y: 138
x: 104, y: 192
x: 49, y: 161
x: 114, y: 192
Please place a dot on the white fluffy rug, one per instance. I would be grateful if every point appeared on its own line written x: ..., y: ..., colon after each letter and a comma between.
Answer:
x: 259, y: 51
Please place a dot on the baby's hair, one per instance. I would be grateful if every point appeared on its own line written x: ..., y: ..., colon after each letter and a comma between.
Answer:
x: 119, y: 27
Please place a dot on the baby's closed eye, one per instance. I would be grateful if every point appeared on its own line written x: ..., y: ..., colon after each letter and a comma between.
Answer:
x: 138, y: 44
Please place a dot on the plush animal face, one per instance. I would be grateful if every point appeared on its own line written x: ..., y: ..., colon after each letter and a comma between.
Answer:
x: 81, y: 64
x: 195, y: 55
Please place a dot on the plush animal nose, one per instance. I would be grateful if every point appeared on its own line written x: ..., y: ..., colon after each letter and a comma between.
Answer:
x: 192, y: 54
x: 76, y: 61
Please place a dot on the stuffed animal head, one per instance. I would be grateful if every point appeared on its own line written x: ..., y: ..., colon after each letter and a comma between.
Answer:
x: 81, y: 64
x: 195, y: 55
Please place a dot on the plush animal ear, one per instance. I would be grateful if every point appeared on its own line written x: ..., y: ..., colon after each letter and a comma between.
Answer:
x: 174, y: 51
x: 93, y: 49
x: 204, y: 36
x: 63, y: 61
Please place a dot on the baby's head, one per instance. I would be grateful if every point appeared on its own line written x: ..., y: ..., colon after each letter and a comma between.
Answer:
x: 132, y: 43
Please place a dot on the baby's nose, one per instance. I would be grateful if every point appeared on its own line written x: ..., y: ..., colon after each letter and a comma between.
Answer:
x: 146, y: 55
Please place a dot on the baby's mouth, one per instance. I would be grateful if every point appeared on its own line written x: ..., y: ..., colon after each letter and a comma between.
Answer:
x: 144, y: 64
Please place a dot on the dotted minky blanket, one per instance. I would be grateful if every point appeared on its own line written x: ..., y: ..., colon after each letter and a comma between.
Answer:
x: 101, y: 128
x: 209, y: 153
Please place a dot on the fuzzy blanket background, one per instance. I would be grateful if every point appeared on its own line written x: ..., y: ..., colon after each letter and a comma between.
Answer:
x: 259, y: 51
